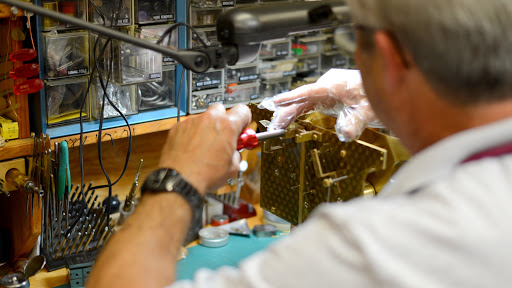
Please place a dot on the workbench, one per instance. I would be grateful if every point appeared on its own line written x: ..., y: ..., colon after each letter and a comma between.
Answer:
x: 239, y: 247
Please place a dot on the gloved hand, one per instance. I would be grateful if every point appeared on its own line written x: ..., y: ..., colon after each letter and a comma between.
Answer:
x: 338, y: 93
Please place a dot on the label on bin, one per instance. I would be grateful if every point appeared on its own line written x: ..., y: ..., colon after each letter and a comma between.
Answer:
x: 313, y: 66
x: 282, y: 53
x: 248, y: 77
x: 254, y: 96
x: 207, y: 83
x: 80, y: 71
x: 163, y: 17
x: 228, y: 3
x: 168, y: 59
x: 289, y: 73
x: 155, y: 75
x: 123, y: 21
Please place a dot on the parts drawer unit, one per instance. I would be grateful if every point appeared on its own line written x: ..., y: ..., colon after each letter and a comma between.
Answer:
x: 278, y: 68
x: 124, y: 97
x: 66, y: 54
x: 242, y: 73
x: 241, y: 93
x: 270, y: 88
x: 158, y: 95
x: 207, y: 80
x: 201, y: 100
x: 275, y: 49
x: 63, y: 100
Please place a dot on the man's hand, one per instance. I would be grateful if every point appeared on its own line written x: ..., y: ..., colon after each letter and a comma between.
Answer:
x: 203, y: 148
x: 338, y: 93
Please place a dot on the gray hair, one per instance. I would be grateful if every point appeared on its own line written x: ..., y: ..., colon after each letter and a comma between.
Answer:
x: 463, y: 47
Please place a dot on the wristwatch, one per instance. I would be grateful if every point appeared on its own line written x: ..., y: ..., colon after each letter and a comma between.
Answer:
x: 169, y: 180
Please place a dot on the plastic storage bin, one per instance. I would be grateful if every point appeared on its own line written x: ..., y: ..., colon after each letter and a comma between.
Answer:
x: 242, y: 73
x: 63, y: 99
x: 308, y: 64
x: 131, y: 64
x: 204, y: 16
x: 241, y: 93
x: 73, y: 8
x: 208, y: 35
x: 270, y: 88
x: 201, y: 100
x: 66, y: 54
x: 207, y: 80
x: 149, y: 11
x: 275, y: 49
x: 278, y: 68
x: 107, y: 9
x: 310, y: 45
x: 158, y: 95
x: 124, y: 97
x: 333, y: 60
x: 153, y: 34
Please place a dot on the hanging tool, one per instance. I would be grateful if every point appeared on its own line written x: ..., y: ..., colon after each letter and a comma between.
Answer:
x: 249, y: 139
x: 22, y: 182
x: 64, y: 184
x: 128, y: 206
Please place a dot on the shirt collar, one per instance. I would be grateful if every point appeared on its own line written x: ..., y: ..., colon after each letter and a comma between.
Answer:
x: 441, y: 158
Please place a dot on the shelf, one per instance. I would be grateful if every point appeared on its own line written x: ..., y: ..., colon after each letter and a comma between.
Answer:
x: 23, y: 147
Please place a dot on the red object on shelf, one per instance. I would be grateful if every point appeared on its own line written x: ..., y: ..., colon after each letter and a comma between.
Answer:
x: 244, y: 210
x: 247, y: 140
x: 68, y: 7
x: 23, y: 55
x: 25, y: 71
x: 28, y: 86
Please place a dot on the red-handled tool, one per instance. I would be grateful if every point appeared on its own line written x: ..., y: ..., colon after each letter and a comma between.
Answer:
x: 249, y: 138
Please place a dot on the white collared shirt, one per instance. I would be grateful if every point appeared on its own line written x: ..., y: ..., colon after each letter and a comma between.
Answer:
x: 437, y: 223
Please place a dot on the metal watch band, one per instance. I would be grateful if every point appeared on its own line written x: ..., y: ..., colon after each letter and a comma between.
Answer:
x: 169, y: 180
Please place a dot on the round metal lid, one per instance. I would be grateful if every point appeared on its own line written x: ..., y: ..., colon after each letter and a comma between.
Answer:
x: 213, y: 237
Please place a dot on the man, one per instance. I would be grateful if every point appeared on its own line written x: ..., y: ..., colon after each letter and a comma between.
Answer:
x: 438, y: 74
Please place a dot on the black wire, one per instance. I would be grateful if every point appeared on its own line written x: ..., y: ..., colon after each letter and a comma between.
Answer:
x: 176, y: 25
x: 179, y: 94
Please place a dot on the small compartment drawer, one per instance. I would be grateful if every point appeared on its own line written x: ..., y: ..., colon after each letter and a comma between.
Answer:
x: 270, y: 88
x: 207, y: 80
x: 154, y: 32
x: 63, y: 100
x: 241, y: 93
x: 204, y: 16
x: 308, y: 64
x: 201, y: 100
x: 307, y: 45
x: 66, y: 54
x: 158, y: 95
x: 73, y: 8
x: 149, y: 11
x: 208, y: 35
x: 242, y: 73
x: 275, y: 49
x: 333, y: 60
x: 278, y: 68
x: 207, y: 3
x: 107, y: 9
x: 131, y: 64
x: 124, y: 97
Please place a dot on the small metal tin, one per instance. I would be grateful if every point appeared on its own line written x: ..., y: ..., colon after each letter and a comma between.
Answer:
x: 213, y: 237
x: 265, y: 230
x: 15, y: 280
x: 220, y: 219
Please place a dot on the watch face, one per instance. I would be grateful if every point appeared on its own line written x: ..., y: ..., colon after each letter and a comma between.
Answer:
x: 169, y: 186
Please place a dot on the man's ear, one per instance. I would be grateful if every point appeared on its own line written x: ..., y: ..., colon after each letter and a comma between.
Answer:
x: 395, y: 60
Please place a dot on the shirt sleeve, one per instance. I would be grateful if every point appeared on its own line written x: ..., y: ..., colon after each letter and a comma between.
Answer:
x: 318, y: 253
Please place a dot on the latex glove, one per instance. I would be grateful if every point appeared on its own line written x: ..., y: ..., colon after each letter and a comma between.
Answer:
x: 338, y: 93
x: 203, y: 148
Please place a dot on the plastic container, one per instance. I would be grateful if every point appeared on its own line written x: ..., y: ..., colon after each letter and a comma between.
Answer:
x: 124, y: 97
x: 310, y: 45
x: 333, y: 60
x: 308, y: 64
x: 131, y: 64
x: 207, y: 80
x: 149, y: 11
x: 66, y: 54
x: 73, y: 8
x: 208, y: 35
x: 201, y: 100
x: 107, y: 9
x: 204, y: 16
x: 158, y: 95
x: 241, y: 93
x: 242, y: 73
x: 278, y: 68
x: 270, y: 88
x: 275, y: 49
x: 153, y: 34
x: 63, y: 99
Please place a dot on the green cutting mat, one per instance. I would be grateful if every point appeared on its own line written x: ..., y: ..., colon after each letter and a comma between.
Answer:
x: 238, y: 248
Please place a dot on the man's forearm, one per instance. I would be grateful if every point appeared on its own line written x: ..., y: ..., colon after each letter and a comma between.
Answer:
x: 143, y: 253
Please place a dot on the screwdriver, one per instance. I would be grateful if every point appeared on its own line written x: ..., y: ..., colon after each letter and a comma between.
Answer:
x: 249, y: 139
